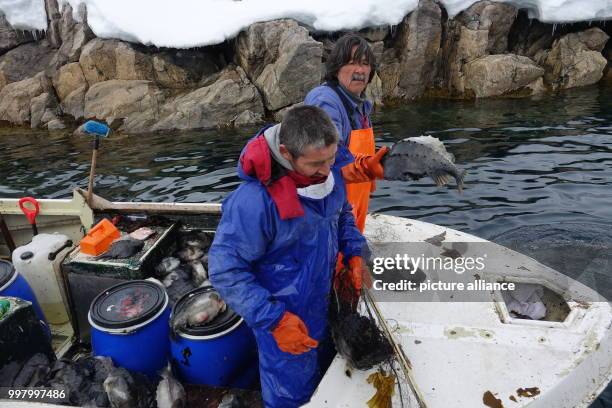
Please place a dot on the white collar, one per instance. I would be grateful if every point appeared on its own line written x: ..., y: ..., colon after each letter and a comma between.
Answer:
x: 318, y: 191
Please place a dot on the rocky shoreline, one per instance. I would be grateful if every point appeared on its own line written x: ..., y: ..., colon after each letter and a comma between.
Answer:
x: 489, y: 50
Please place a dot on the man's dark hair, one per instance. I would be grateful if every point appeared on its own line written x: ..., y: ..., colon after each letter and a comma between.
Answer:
x: 341, y: 55
x: 306, y: 125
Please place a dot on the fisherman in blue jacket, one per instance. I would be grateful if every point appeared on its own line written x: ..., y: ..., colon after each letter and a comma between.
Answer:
x: 276, y: 247
x: 349, y: 69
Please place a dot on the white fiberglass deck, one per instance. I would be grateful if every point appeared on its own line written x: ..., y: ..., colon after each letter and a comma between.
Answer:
x: 461, y: 350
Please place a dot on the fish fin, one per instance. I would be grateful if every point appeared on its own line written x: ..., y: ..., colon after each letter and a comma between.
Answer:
x: 439, y: 178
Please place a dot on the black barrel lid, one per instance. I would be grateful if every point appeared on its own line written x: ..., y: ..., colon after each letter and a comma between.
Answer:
x: 127, y: 304
x: 6, y: 272
x: 219, y: 324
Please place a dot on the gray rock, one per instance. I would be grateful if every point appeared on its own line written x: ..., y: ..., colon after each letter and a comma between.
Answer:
x: 56, y: 124
x: 74, y: 103
x: 25, y: 61
x: 246, y: 118
x: 296, y: 72
x: 43, y: 109
x: 531, y: 36
x: 471, y: 44
x: 53, y: 23
x: 494, y: 75
x: 74, y: 36
x: 133, y: 64
x: 281, y: 59
x: 98, y: 60
x: 374, y: 91
x: 409, y: 67
x: 103, y: 60
x: 496, y: 18
x: 16, y: 98
x: 375, y: 34
x: 67, y: 23
x: 480, y: 30
x: 171, y: 76
x: 67, y: 79
x: 179, y: 69
x: 257, y: 46
x: 279, y: 115
x: 11, y: 38
x: 219, y: 104
x: 378, y: 49
x: 135, y: 102
x: 594, y: 38
x: 575, y: 60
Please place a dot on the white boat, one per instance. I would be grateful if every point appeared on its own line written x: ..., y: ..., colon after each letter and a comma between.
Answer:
x: 450, y: 353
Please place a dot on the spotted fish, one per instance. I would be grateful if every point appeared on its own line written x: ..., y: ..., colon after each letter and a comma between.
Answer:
x: 416, y: 157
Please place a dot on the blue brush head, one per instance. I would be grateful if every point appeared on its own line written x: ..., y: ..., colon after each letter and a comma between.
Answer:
x: 96, y: 128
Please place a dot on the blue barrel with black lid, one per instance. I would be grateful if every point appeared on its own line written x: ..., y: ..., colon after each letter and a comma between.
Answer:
x: 129, y: 324
x: 12, y: 283
x: 221, y: 353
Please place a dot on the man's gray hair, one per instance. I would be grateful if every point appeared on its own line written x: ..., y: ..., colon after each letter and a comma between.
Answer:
x: 307, y: 126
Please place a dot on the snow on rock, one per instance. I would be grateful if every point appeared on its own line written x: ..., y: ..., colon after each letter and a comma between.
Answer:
x: 25, y: 14
x: 190, y: 23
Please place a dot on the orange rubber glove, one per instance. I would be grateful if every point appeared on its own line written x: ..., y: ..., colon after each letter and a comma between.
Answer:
x: 291, y: 335
x: 356, y: 271
x: 365, y: 167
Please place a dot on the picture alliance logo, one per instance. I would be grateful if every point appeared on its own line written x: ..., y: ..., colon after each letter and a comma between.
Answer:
x: 412, y: 264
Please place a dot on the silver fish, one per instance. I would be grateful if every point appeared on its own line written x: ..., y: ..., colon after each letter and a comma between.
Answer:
x: 170, y: 279
x: 200, y: 275
x: 117, y: 387
x: 416, y: 157
x: 199, y: 311
x: 230, y: 401
x: 167, y: 265
x: 170, y: 393
x: 189, y: 253
x: 122, y: 248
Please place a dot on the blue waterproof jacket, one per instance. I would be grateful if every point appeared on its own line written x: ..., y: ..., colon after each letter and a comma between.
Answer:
x: 327, y: 99
x: 263, y: 266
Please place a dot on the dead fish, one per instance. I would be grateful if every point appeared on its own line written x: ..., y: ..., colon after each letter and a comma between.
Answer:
x: 197, y: 239
x: 189, y: 254
x: 202, y: 309
x: 416, y: 157
x: 170, y: 393
x: 200, y: 275
x: 32, y: 371
x: 167, y: 265
x: 437, y: 239
x: 231, y: 401
x: 117, y: 387
x: 142, y: 233
x: 170, y: 279
x: 122, y: 248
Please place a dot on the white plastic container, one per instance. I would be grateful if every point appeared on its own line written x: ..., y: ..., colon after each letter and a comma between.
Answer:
x: 39, y: 262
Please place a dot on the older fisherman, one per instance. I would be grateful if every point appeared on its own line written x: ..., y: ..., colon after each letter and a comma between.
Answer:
x: 349, y: 69
x: 275, y: 249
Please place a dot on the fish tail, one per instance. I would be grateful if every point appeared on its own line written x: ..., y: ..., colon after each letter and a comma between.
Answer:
x: 459, y: 178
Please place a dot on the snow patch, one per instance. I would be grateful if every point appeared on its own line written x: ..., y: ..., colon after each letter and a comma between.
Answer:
x: 190, y: 23
x: 25, y: 14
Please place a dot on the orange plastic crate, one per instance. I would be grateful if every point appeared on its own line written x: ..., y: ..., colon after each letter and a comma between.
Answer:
x: 99, y: 238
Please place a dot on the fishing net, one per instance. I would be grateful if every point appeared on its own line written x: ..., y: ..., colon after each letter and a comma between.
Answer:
x: 357, y: 337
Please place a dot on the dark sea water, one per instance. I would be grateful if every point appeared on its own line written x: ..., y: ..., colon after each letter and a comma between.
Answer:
x: 539, y: 172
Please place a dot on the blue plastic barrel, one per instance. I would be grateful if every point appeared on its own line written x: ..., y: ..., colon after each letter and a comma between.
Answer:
x: 129, y: 324
x: 221, y: 353
x: 15, y: 285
